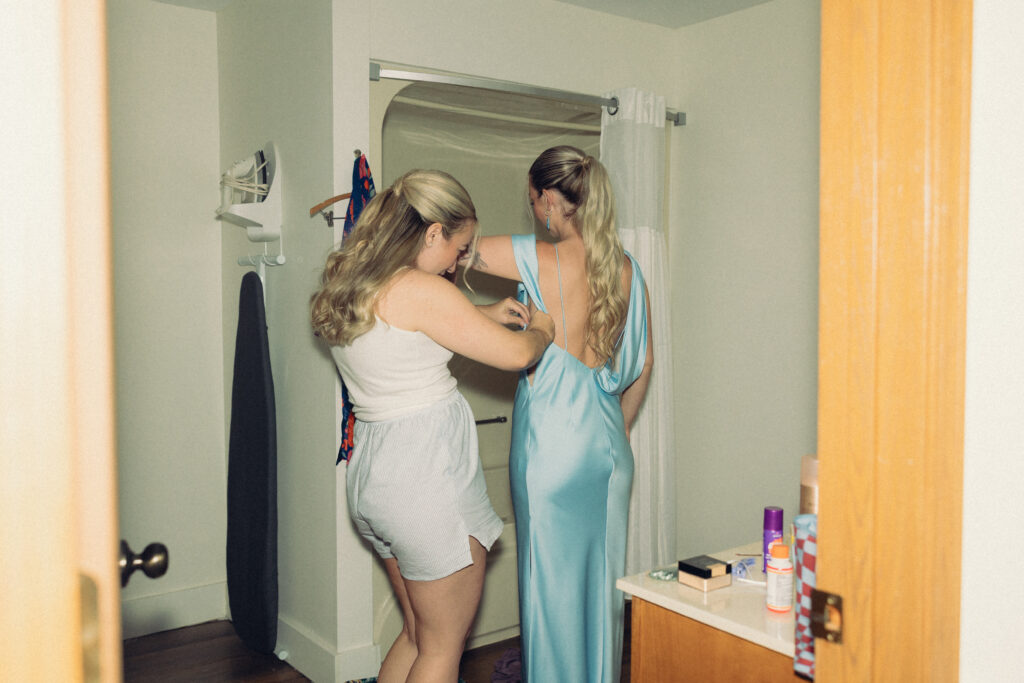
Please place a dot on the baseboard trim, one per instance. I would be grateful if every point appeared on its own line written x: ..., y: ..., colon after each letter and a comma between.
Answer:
x: 318, y: 661
x: 493, y: 637
x: 166, y: 611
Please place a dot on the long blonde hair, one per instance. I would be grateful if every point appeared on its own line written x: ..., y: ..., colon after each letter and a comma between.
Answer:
x: 385, y: 240
x: 584, y: 183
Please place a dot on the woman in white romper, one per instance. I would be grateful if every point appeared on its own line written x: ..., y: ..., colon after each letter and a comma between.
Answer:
x: 415, y: 488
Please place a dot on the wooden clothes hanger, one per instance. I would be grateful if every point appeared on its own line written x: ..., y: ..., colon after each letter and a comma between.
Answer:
x: 329, y: 215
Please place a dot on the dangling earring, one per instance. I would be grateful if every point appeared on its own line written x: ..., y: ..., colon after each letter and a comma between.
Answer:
x: 547, y: 214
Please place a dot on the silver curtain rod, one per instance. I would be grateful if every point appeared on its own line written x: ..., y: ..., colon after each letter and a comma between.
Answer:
x: 678, y: 118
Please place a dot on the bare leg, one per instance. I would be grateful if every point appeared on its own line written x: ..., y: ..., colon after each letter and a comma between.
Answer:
x: 396, y: 665
x: 444, y: 611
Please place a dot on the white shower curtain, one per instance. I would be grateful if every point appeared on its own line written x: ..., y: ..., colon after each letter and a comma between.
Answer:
x: 633, y: 151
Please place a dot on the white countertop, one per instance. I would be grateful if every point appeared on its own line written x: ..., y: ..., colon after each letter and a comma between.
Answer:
x: 738, y: 609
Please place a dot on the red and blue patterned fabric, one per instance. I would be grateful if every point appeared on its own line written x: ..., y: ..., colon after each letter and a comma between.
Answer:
x: 363, y: 191
x: 348, y: 427
x: 806, y: 555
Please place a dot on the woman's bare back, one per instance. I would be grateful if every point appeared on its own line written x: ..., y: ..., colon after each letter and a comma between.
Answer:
x: 566, y: 266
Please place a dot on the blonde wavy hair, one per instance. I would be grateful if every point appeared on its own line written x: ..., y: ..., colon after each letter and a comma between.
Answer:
x: 385, y: 240
x: 584, y: 183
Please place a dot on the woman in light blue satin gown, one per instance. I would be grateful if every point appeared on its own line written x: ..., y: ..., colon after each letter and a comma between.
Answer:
x: 571, y: 465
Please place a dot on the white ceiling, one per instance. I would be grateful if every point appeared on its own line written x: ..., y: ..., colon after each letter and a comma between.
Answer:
x: 668, y: 13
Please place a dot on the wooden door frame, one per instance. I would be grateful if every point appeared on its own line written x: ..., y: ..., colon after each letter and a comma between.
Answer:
x: 895, y: 115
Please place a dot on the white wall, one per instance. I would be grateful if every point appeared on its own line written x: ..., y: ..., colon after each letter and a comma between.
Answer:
x: 351, y: 130
x: 275, y: 79
x: 539, y: 42
x: 992, y: 600
x: 167, y: 305
x: 743, y: 242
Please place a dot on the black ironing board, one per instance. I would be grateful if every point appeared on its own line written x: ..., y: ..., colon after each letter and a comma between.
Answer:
x: 252, y: 478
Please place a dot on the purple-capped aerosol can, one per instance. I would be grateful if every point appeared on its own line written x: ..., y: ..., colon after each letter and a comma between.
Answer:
x: 772, y: 532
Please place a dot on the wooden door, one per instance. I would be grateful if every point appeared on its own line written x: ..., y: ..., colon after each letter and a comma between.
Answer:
x: 894, y: 174
x: 60, y: 619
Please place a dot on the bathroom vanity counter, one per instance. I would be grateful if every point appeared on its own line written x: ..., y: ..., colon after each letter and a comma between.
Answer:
x: 683, y: 634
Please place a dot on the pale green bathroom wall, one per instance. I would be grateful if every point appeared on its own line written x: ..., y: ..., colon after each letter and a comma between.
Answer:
x: 275, y: 77
x: 744, y: 258
x: 167, y: 307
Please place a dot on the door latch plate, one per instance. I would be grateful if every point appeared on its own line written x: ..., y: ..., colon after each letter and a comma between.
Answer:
x: 827, y: 616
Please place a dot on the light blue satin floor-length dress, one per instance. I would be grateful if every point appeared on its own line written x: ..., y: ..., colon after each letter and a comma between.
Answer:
x: 571, y: 469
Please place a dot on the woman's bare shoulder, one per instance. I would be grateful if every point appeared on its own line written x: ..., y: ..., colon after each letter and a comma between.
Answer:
x: 627, y: 275
x: 414, y: 284
x: 545, y: 249
x: 403, y: 298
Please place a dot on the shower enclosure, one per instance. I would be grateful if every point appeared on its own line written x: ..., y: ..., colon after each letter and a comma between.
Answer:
x: 487, y: 140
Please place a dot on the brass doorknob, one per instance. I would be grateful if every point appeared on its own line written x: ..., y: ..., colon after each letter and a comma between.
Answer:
x: 152, y: 561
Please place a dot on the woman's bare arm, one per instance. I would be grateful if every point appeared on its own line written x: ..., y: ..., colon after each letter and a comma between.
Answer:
x: 494, y: 256
x: 634, y: 394
x: 508, y: 311
x: 426, y: 303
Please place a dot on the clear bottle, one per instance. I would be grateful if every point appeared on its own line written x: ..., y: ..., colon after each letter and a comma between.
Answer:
x: 779, y: 580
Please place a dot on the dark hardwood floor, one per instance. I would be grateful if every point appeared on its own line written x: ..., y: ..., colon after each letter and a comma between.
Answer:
x: 213, y: 653
x: 205, y: 653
